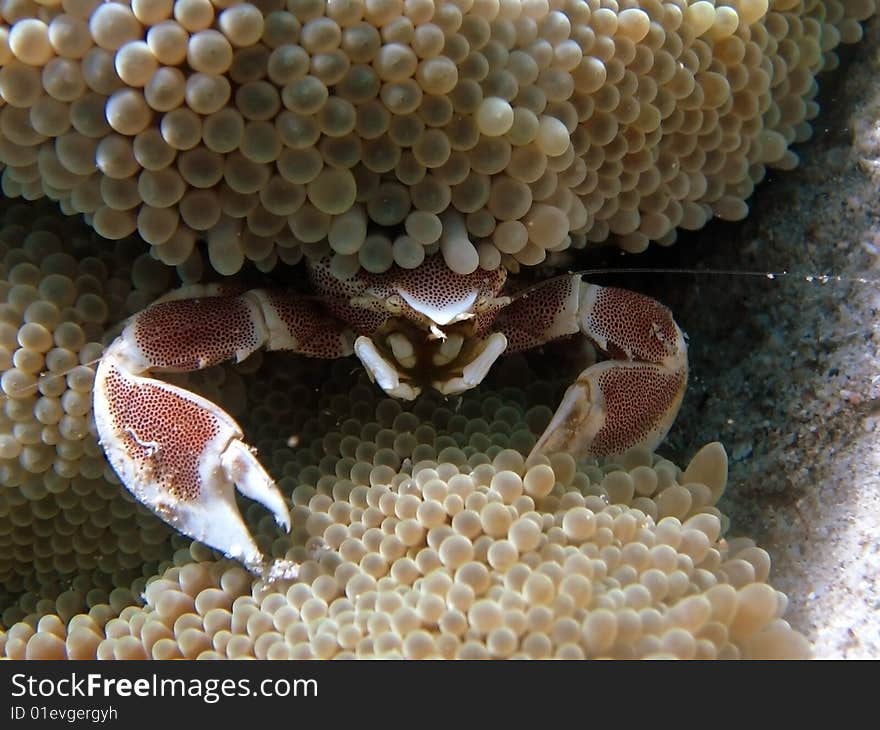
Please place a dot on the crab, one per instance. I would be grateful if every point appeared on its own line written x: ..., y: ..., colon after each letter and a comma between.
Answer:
x: 183, y: 456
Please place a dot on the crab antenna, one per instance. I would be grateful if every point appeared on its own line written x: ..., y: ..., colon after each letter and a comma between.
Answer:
x: 714, y: 272
x: 771, y: 275
x: 810, y: 278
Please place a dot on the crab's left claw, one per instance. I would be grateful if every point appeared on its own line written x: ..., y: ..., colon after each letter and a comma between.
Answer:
x: 632, y: 399
x: 182, y: 456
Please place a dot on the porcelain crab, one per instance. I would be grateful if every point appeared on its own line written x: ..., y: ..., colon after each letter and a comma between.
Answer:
x: 183, y: 456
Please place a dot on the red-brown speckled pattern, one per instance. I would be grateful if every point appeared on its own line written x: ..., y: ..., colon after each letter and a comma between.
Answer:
x: 164, y: 434
x: 432, y: 283
x: 529, y: 317
x: 190, y: 334
x: 335, y: 295
x: 437, y: 286
x: 636, y: 327
x: 316, y: 333
x: 484, y: 322
x: 644, y: 390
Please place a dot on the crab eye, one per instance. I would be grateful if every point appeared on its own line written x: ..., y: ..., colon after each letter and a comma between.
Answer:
x: 394, y: 304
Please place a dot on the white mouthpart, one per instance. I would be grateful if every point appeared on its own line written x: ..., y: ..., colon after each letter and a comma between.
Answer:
x: 381, y: 371
x: 452, y: 312
x: 474, y: 372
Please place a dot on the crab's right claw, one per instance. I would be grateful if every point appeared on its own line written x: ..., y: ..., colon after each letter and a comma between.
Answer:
x: 613, y: 407
x: 629, y: 401
x: 182, y: 456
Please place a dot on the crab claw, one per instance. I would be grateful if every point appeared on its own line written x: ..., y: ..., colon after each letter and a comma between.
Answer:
x: 182, y: 456
x: 631, y: 400
x: 178, y: 453
x: 614, y: 407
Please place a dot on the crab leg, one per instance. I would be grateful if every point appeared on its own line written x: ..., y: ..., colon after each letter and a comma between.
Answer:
x: 615, y: 405
x: 178, y: 453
